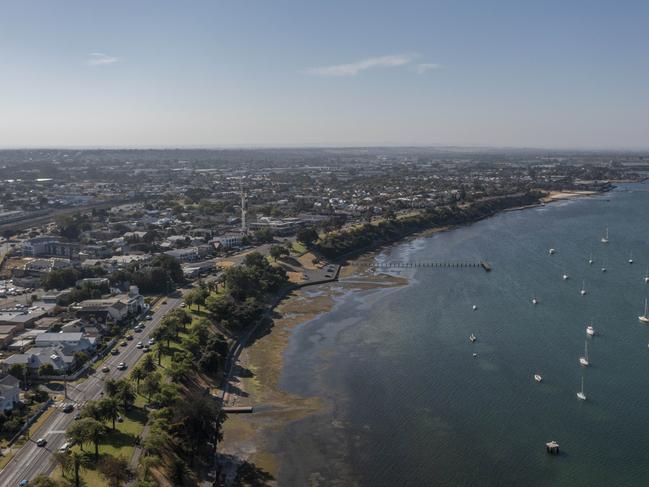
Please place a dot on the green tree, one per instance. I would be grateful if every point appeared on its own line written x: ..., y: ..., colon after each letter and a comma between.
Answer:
x: 110, y: 408
x: 86, y: 430
x: 137, y: 375
x: 147, y: 364
x: 18, y: 371
x: 307, y: 235
x: 116, y: 470
x: 151, y: 385
x: 277, y: 251
x: 46, y: 369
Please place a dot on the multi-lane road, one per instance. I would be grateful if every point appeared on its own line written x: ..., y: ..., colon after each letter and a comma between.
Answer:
x: 32, y: 460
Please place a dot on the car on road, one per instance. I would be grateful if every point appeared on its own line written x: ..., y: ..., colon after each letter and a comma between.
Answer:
x: 149, y: 318
x: 146, y: 349
x: 151, y: 341
x: 41, y: 442
x: 105, y: 369
x: 67, y: 408
x: 77, y: 416
x: 129, y: 337
x: 183, y: 305
x: 121, y: 366
x: 65, y: 447
x: 114, y: 351
x: 164, y: 302
x: 22, y: 483
x: 139, y: 345
x: 123, y: 344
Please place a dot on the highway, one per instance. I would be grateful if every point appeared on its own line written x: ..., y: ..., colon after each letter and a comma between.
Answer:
x: 32, y: 460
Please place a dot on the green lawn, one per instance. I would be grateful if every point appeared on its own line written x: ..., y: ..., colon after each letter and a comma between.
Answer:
x: 118, y: 442
x: 298, y: 247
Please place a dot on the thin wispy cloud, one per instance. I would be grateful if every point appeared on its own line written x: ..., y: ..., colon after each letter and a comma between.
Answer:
x: 101, y: 59
x: 352, y: 69
x: 425, y: 67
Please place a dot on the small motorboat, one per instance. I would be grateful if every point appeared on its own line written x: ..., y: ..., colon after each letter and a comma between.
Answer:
x: 538, y: 378
x: 472, y: 338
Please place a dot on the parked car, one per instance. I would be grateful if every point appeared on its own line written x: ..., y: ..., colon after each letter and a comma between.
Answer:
x: 151, y: 341
x: 105, y: 369
x: 114, y: 351
x: 129, y: 337
x: 123, y: 344
x: 41, y: 442
x: 65, y: 447
x: 149, y: 318
x: 146, y: 349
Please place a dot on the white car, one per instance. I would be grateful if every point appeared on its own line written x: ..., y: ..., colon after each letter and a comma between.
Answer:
x: 139, y: 345
x: 121, y: 366
x: 151, y: 341
x: 41, y: 442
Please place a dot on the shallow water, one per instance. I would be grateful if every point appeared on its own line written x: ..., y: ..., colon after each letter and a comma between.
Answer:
x: 411, y: 406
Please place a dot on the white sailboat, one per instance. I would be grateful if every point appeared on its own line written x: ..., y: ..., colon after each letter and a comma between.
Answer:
x: 604, y: 266
x: 474, y: 307
x: 583, y: 361
x: 631, y: 258
x: 605, y: 237
x: 646, y: 276
x: 565, y: 277
x: 590, y: 259
x: 644, y: 318
x: 590, y: 330
x: 583, y: 288
x: 581, y: 395
x: 534, y: 300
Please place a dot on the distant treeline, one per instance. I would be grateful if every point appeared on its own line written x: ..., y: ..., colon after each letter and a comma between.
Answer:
x: 337, y: 244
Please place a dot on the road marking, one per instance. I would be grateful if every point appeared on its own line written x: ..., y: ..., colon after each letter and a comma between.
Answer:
x: 55, y: 432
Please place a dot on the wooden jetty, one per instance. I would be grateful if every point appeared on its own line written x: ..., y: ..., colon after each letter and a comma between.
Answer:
x: 552, y: 447
x: 424, y: 264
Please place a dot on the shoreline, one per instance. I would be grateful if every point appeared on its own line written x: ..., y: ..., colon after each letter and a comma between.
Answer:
x: 254, y: 439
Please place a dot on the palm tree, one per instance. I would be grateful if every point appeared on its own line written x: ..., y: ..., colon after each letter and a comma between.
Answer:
x: 137, y: 375
x: 110, y: 408
x: 147, y: 364
x: 79, y: 461
x: 125, y: 395
x: 62, y: 460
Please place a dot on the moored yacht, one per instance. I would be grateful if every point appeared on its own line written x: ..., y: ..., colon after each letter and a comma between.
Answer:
x: 605, y: 237
x: 583, y: 288
x: 583, y: 361
x: 581, y: 395
x: 644, y: 318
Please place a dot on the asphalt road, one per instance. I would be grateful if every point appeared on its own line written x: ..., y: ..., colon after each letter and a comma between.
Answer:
x: 32, y: 460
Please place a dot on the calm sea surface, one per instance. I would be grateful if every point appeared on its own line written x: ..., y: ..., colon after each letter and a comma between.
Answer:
x: 411, y: 406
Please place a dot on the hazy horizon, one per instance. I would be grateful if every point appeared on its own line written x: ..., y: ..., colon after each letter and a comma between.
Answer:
x: 548, y: 76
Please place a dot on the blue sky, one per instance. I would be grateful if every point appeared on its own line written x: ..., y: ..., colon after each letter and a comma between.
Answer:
x: 564, y: 74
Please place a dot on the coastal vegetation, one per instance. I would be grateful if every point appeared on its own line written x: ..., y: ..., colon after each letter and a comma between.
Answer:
x: 370, y: 235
